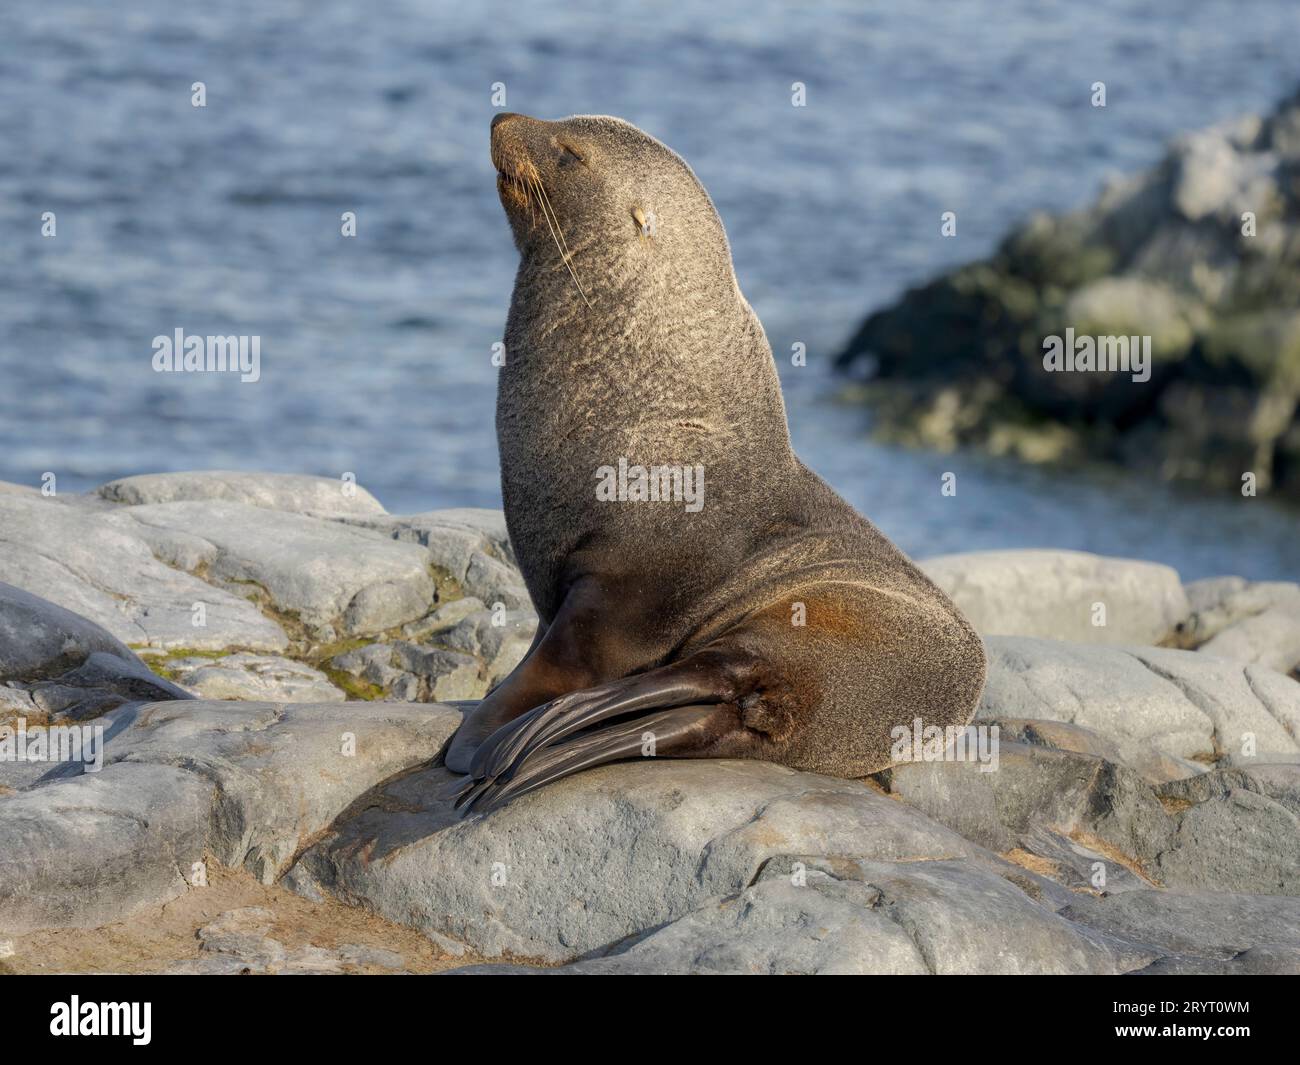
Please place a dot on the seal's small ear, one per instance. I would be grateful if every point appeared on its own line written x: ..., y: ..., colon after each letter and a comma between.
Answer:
x: 646, y: 225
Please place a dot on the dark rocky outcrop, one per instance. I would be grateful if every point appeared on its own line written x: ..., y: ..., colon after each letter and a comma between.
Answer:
x: 1201, y: 254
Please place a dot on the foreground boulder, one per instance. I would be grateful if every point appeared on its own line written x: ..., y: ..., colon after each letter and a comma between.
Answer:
x: 247, y: 783
x: 602, y: 855
x: 840, y: 916
x: 1118, y: 771
x: 91, y: 849
x: 1211, y: 934
x: 945, y: 917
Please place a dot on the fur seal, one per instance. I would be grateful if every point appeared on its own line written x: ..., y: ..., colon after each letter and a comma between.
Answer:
x: 770, y: 622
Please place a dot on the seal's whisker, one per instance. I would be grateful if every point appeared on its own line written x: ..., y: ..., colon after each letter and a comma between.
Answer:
x: 526, y: 185
x: 564, y: 244
x: 553, y: 226
x: 548, y: 212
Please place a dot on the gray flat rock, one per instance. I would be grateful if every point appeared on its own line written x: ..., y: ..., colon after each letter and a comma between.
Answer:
x: 469, y: 545
x: 92, y: 849
x: 500, y: 639
x: 1199, y: 924
x: 1265, y: 960
x: 40, y: 640
x: 403, y: 670
x: 247, y: 783
x: 1153, y: 704
x: 602, y: 855
x: 295, y: 492
x: 285, y: 771
x: 841, y: 915
x: 1038, y: 787
x: 1227, y: 831
x: 1055, y: 595
x: 1241, y: 841
x: 334, y: 577
x: 1256, y: 622
x: 255, y: 678
x: 75, y: 558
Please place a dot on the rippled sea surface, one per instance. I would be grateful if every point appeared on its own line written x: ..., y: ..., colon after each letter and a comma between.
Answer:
x: 376, y: 350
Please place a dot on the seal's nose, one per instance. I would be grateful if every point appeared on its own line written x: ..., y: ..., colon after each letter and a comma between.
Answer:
x: 504, y: 116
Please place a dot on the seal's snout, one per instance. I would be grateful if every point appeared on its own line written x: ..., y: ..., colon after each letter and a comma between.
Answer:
x: 510, y: 129
x: 515, y: 143
x: 509, y: 150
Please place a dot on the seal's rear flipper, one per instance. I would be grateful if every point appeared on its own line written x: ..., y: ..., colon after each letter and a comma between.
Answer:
x: 662, y: 733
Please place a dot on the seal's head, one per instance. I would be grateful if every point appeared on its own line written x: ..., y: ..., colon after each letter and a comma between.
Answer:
x: 597, y: 196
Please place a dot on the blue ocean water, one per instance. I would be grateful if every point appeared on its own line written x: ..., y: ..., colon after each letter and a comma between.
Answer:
x: 376, y: 349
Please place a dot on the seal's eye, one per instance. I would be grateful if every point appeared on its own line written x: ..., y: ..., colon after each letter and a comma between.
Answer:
x: 570, y: 150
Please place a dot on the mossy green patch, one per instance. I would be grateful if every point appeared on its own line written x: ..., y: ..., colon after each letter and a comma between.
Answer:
x: 324, y: 652
x: 161, y: 665
x: 353, y: 687
x: 303, y: 646
x: 446, y: 587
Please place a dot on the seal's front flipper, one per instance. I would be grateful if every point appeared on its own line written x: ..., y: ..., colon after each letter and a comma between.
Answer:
x: 599, y: 724
x: 659, y: 734
x: 702, y: 678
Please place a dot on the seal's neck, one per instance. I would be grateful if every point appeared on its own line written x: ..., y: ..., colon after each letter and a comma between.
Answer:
x: 649, y: 341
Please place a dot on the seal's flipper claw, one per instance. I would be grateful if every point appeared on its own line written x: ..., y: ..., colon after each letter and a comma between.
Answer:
x: 658, y: 734
x: 486, y: 758
x: 470, y: 794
